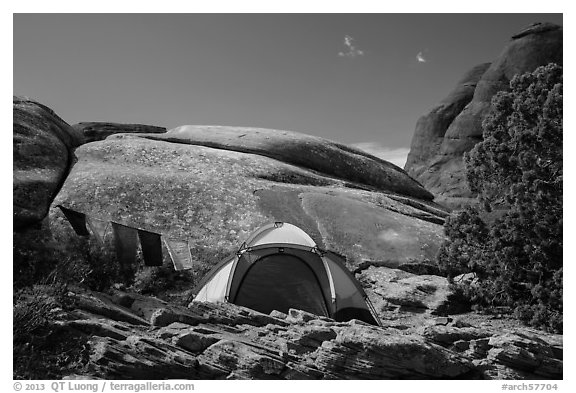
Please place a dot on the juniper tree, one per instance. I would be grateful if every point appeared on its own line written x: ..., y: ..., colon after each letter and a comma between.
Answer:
x: 516, y: 172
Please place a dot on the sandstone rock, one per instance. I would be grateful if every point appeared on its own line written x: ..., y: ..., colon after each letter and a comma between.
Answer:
x: 526, y: 352
x: 299, y: 316
x: 97, y: 131
x: 42, y: 155
x: 517, y: 353
x: 440, y: 168
x: 232, y: 315
x: 366, y: 353
x: 447, y: 336
x: 405, y: 291
x: 314, y: 153
x: 160, y: 313
x: 244, y: 361
x: 235, y: 343
x: 431, y: 127
x: 172, y: 330
x: 99, y: 303
x: 314, y: 336
x: 443, y: 321
x: 215, y: 198
x: 358, y: 229
x: 99, y: 328
x: 140, y: 358
x: 195, y: 342
x: 278, y: 314
x: 478, y: 348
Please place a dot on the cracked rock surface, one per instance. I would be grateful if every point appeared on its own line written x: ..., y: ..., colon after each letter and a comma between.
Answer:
x: 224, y: 341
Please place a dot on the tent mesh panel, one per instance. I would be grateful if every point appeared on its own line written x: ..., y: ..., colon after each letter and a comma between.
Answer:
x: 280, y: 282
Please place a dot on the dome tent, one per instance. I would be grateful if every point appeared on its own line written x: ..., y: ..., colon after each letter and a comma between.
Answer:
x: 280, y: 267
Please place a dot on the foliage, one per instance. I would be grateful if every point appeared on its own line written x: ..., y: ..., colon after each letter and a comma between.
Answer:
x: 46, y: 263
x: 156, y: 281
x: 65, y: 257
x: 512, y: 241
x: 175, y: 286
x: 41, y: 349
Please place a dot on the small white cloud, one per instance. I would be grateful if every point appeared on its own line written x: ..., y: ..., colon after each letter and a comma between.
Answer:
x: 420, y: 57
x: 396, y: 156
x: 351, y: 49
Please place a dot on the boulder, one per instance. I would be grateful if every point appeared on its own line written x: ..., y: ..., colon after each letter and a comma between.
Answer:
x: 440, y: 168
x: 393, y: 290
x: 452, y: 336
x: 42, y: 156
x: 533, y: 353
x: 97, y: 131
x: 194, y: 341
x: 360, y: 352
x: 317, y: 154
x: 215, y: 197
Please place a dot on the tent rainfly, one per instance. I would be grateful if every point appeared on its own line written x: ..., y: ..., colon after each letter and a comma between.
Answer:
x: 280, y: 267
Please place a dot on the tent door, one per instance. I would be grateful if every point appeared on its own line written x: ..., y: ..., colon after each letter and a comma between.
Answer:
x: 280, y: 282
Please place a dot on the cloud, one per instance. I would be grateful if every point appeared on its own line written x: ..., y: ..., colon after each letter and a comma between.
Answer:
x: 396, y: 156
x: 351, y: 49
x: 420, y: 57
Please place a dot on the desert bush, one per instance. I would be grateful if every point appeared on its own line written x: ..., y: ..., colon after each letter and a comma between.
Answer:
x: 158, y: 280
x: 35, y: 255
x: 67, y: 258
x: 33, y: 311
x: 516, y: 171
x: 46, y: 263
x: 42, y: 349
x: 168, y: 284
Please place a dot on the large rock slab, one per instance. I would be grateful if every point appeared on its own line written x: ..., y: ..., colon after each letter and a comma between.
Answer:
x: 42, y: 154
x: 440, y: 168
x: 97, y: 131
x: 216, y: 197
x: 314, y: 153
x: 363, y: 231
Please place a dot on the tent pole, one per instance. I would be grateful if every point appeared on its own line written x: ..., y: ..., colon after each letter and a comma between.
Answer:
x: 373, y: 310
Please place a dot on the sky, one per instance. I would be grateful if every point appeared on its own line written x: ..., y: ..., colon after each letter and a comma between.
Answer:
x: 361, y: 79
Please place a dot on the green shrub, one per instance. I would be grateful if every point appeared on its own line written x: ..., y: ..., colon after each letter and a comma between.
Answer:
x: 158, y: 280
x: 41, y: 348
x: 512, y: 241
x: 59, y: 253
x: 46, y: 262
x: 168, y: 284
